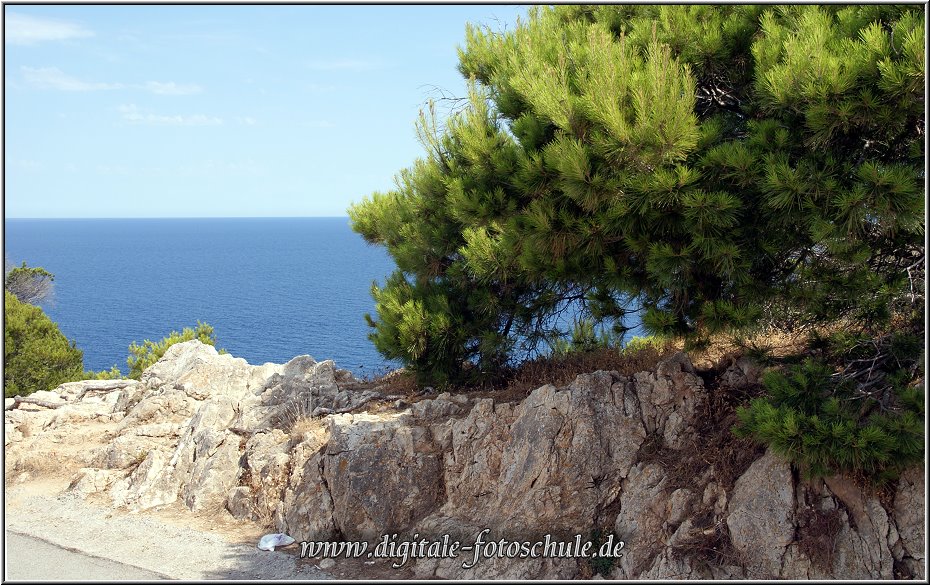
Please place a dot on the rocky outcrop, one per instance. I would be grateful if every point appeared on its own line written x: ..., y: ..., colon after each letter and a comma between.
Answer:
x: 290, y: 445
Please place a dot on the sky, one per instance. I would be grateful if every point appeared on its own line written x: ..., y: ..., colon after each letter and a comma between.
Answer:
x: 220, y: 110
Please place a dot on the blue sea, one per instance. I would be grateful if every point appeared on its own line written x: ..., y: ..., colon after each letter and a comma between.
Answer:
x: 272, y: 288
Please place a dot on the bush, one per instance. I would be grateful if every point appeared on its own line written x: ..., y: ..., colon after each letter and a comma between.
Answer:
x: 143, y: 356
x: 827, y: 423
x: 36, y: 355
x: 113, y: 373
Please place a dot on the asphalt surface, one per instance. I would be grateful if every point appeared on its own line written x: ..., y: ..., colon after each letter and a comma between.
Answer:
x: 32, y: 559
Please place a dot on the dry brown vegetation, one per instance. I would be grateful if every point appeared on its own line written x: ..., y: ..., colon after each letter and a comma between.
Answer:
x: 516, y: 383
x: 817, y: 531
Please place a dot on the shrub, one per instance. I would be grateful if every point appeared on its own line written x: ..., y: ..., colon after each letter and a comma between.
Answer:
x: 36, y: 355
x: 113, y: 373
x: 144, y: 355
x: 827, y: 423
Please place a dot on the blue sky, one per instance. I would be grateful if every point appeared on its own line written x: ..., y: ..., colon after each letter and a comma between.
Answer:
x: 220, y: 111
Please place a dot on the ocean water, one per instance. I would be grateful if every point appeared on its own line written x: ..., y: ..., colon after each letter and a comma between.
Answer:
x: 273, y: 288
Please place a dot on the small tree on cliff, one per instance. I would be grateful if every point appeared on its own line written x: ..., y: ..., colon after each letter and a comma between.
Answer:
x: 143, y: 355
x: 711, y: 166
x: 29, y: 284
x: 36, y: 355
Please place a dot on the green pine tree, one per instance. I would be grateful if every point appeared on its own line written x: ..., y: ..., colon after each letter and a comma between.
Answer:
x: 715, y: 167
x: 36, y: 355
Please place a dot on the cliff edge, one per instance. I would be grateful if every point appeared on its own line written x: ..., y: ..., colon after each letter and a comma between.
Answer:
x: 306, y: 449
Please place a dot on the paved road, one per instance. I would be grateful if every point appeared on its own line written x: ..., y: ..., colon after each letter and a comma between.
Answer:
x: 31, y: 559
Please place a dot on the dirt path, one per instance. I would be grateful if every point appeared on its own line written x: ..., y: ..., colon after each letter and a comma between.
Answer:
x: 32, y: 559
x: 167, y: 542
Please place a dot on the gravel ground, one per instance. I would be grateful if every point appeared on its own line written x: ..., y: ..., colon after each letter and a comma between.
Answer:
x: 170, y: 543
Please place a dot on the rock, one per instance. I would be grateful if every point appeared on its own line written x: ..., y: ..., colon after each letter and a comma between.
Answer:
x: 440, y: 407
x: 861, y: 547
x: 164, y: 429
x: 8, y: 403
x: 48, y: 396
x: 327, y: 564
x: 240, y: 504
x: 147, y: 486
x: 308, y: 509
x: 761, y: 515
x: 910, y: 520
x: 91, y: 481
x: 743, y: 373
x: 267, y: 464
x: 382, y: 475
x: 670, y: 399
x: 214, y: 433
x: 201, y: 372
x: 124, y: 451
x: 640, y: 523
x: 551, y: 461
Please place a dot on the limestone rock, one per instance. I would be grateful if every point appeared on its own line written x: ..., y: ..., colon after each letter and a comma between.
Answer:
x: 147, y: 486
x: 911, y: 521
x: 642, y: 521
x: 742, y: 373
x: 761, y: 515
x: 382, y: 475
x: 214, y: 433
x: 308, y: 510
x: 552, y: 461
x: 240, y: 503
x: 670, y: 399
x: 92, y: 481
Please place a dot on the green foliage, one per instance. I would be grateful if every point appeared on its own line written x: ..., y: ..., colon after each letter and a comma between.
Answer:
x: 29, y: 284
x: 143, y: 356
x: 828, y: 424
x: 113, y: 373
x: 642, y: 343
x: 584, y: 337
x: 602, y: 565
x: 36, y: 356
x: 715, y: 166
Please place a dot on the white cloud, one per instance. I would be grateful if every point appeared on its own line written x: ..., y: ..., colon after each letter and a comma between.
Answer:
x: 171, y: 88
x: 54, y: 78
x: 29, y: 30
x: 134, y: 115
x: 247, y: 120
x: 318, y: 124
x: 27, y: 164
x: 343, y: 65
x: 212, y: 167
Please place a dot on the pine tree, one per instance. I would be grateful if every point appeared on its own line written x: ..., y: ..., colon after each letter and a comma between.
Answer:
x: 36, y: 355
x: 710, y: 167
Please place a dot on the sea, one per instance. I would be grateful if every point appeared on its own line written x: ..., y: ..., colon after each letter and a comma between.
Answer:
x: 272, y: 288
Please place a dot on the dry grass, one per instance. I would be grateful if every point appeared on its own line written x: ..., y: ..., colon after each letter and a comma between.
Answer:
x: 395, y: 383
x: 716, y: 445
x: 710, y: 546
x: 769, y: 342
x: 817, y: 531
x: 562, y: 370
x: 516, y: 383
x: 307, y: 428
